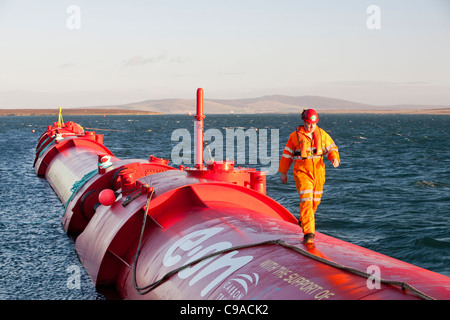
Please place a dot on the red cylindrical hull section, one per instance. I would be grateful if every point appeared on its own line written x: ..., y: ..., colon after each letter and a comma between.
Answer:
x: 178, y: 234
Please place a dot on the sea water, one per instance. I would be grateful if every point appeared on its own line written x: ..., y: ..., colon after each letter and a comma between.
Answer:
x: 391, y: 193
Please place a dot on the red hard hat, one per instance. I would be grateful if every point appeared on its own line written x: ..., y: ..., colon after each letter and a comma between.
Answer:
x: 310, y: 115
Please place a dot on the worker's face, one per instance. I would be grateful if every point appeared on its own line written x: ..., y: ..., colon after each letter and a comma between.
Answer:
x: 309, y: 127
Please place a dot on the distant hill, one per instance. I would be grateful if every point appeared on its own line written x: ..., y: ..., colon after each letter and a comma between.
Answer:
x: 266, y: 104
x: 273, y: 104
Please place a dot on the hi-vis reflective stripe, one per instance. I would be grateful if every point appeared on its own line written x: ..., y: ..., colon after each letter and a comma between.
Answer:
x: 310, y: 199
x: 310, y: 157
x: 331, y: 147
x: 286, y: 156
x: 317, y: 195
x: 288, y: 150
x: 307, y: 192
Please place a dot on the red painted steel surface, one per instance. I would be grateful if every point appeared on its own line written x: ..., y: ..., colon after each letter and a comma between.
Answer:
x: 194, y: 212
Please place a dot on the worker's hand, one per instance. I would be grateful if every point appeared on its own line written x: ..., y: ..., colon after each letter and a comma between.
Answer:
x: 335, y: 162
x: 283, y: 177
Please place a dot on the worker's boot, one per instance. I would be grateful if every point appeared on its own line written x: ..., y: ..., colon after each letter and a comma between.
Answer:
x: 308, y: 238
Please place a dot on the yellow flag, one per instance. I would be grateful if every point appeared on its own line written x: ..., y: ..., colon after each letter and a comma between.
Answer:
x: 60, y: 118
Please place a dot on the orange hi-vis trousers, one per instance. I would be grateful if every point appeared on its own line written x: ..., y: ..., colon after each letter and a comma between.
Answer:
x: 310, y: 192
x: 308, y: 171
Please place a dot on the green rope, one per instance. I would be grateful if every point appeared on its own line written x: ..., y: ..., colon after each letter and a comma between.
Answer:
x: 75, y: 188
x: 79, y: 184
x: 46, y: 147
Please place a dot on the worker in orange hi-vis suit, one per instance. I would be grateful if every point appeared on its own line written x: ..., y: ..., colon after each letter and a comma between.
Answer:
x: 306, y: 147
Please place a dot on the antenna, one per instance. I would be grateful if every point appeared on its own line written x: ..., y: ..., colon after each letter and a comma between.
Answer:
x: 199, y: 127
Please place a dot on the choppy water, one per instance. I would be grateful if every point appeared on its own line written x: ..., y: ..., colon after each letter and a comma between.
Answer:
x: 391, y: 193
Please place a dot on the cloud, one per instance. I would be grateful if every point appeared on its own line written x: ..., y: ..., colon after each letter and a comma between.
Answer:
x: 67, y: 65
x: 140, y: 60
x: 180, y: 59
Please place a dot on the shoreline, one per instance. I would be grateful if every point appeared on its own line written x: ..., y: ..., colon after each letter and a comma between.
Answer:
x: 440, y: 111
x: 99, y: 111
x: 74, y: 112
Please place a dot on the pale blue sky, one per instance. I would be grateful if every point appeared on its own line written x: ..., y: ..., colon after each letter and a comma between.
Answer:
x: 128, y: 51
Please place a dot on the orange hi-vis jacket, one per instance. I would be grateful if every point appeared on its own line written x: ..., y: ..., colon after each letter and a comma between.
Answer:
x: 301, y: 147
x: 307, y: 150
